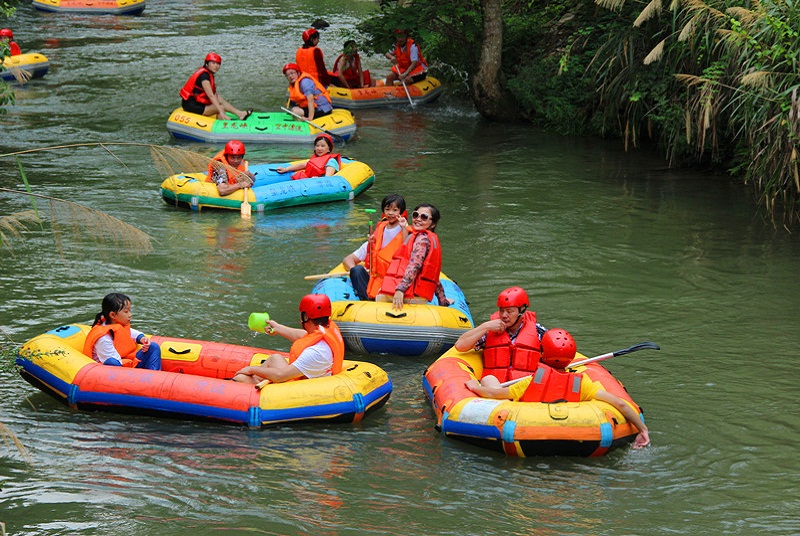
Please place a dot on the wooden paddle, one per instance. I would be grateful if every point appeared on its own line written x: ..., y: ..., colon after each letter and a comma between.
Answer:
x: 245, y: 209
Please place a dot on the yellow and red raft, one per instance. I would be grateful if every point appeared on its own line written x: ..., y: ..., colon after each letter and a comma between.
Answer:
x: 194, y: 383
x: 523, y: 429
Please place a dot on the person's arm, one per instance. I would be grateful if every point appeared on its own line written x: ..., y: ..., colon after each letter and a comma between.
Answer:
x: 225, y: 188
x: 468, y: 339
x: 419, y: 252
x: 104, y: 349
x: 359, y: 70
x: 488, y: 392
x: 643, y: 438
x: 319, y: 60
x: 331, y: 167
x: 441, y: 297
x: 294, y: 167
x: 284, y: 331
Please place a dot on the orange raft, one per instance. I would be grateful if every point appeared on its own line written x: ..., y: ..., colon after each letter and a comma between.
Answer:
x: 423, y: 92
x: 591, y: 428
x: 95, y: 7
x: 194, y: 384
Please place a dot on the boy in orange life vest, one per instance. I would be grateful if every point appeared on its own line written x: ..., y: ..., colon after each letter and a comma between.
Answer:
x: 307, y: 96
x: 413, y: 274
x: 112, y: 340
x: 348, y: 71
x: 551, y: 384
x: 7, y: 37
x: 228, y: 169
x: 322, y: 163
x: 510, y: 340
x: 317, y: 349
x: 407, y: 58
x: 378, y: 250
x: 310, y: 58
x: 199, y: 94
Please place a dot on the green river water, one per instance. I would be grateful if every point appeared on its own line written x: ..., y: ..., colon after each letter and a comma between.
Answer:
x: 614, y: 247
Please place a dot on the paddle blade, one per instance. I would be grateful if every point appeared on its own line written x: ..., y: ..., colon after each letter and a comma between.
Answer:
x: 636, y: 347
x: 246, y: 209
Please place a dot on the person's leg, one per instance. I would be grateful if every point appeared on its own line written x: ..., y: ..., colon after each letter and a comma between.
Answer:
x: 113, y: 362
x: 360, y: 279
x: 151, y: 359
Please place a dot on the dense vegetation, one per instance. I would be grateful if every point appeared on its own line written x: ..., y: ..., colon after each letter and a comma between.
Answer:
x: 711, y: 82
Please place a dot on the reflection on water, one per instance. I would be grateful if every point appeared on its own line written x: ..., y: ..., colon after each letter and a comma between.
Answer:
x: 612, y: 246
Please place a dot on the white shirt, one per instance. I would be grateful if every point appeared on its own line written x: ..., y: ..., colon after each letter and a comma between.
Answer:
x: 315, y: 361
x: 104, y: 347
x: 388, y: 235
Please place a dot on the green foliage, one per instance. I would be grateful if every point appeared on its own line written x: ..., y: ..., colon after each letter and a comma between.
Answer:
x: 6, y: 93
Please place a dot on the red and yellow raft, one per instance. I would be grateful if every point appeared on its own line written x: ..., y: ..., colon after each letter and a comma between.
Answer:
x: 591, y: 428
x: 422, y: 92
x: 194, y: 383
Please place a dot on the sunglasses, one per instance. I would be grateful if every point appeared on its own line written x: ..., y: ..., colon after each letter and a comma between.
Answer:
x: 420, y: 215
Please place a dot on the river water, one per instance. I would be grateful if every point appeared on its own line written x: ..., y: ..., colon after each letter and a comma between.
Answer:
x: 614, y: 247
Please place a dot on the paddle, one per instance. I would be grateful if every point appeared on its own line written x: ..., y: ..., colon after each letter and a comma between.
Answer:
x: 411, y: 102
x: 317, y: 277
x: 245, y: 209
x: 634, y: 348
x: 313, y: 124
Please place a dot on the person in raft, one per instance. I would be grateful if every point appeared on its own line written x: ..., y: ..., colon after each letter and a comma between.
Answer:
x: 307, y: 97
x: 407, y: 59
x: 550, y: 383
x: 7, y: 37
x: 317, y: 349
x: 348, y: 71
x: 377, y: 252
x: 510, y: 339
x: 228, y: 169
x: 199, y: 94
x: 310, y: 58
x: 112, y: 340
x: 413, y: 274
x: 322, y: 163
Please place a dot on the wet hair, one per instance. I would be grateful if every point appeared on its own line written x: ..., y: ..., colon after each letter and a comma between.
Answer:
x: 435, y: 215
x: 394, y: 199
x: 112, y: 303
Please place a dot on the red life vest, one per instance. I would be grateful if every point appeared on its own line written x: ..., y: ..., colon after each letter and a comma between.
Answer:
x: 550, y: 385
x: 427, y: 279
x: 506, y: 360
x: 315, y: 167
x: 313, y: 63
x: 296, y: 96
x: 220, y: 157
x: 123, y: 343
x: 380, y: 257
x: 192, y: 89
x: 351, y: 72
x: 331, y: 335
x: 404, y: 59
x: 14, y: 49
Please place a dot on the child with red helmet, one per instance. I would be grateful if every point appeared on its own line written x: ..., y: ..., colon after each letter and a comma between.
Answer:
x: 317, y: 349
x: 199, y: 94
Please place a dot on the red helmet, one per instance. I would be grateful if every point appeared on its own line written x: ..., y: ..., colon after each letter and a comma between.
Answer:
x: 291, y: 66
x: 315, y: 306
x: 234, y: 147
x: 309, y: 34
x: 326, y: 137
x: 213, y: 56
x: 6, y: 32
x: 513, y: 297
x: 558, y: 348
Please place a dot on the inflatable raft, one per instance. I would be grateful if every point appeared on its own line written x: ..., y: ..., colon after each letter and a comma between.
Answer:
x: 194, y: 384
x: 422, y: 92
x: 95, y: 7
x: 591, y: 428
x: 260, y: 127
x: 33, y: 65
x: 370, y: 327
x: 271, y: 189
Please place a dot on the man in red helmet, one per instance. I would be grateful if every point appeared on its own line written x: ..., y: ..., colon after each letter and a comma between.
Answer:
x: 199, y: 94
x: 409, y: 65
x: 550, y: 383
x: 307, y: 96
x: 228, y: 169
x: 317, y: 349
x: 510, y: 339
x: 310, y: 58
x: 7, y: 36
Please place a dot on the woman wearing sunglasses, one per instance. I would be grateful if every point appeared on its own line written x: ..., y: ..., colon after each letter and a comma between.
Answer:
x: 413, y: 275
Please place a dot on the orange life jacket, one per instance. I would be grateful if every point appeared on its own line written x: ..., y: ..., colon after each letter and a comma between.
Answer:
x: 427, y: 279
x: 351, y: 72
x: 315, y: 167
x: 306, y: 60
x: 506, y: 360
x: 331, y: 335
x: 220, y: 157
x: 404, y: 59
x: 296, y: 96
x: 123, y: 343
x: 380, y: 257
x: 192, y: 89
x: 550, y: 385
